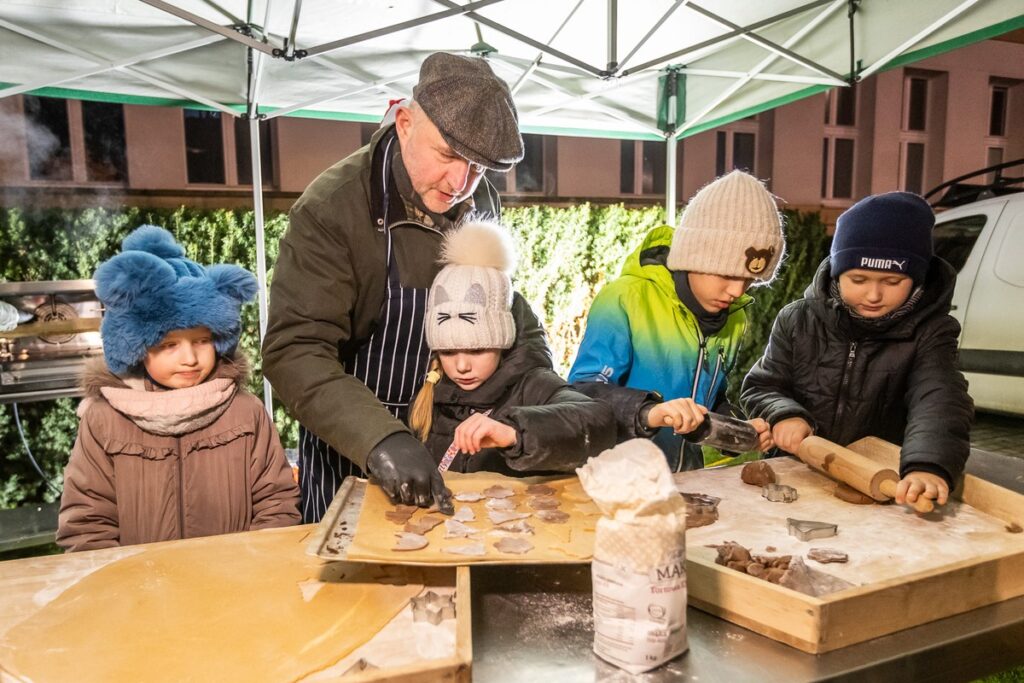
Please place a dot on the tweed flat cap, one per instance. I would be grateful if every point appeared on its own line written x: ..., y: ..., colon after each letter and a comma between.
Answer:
x: 472, y: 108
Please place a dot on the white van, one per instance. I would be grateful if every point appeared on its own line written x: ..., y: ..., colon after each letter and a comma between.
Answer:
x: 984, y: 241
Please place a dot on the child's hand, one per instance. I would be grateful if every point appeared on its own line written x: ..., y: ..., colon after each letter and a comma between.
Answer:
x: 790, y: 433
x: 764, y: 434
x: 926, y: 484
x: 683, y: 415
x: 479, y: 431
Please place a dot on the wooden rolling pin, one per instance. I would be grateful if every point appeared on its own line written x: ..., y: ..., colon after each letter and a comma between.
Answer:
x: 855, y: 470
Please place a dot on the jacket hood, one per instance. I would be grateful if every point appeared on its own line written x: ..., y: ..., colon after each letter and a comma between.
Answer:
x: 648, y: 262
x: 937, y: 298
x: 97, y: 376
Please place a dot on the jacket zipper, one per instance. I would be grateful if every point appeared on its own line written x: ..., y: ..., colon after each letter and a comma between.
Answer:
x: 181, y: 491
x: 851, y: 356
x: 714, y: 377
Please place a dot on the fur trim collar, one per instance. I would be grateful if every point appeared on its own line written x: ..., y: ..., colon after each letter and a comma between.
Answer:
x: 166, y: 412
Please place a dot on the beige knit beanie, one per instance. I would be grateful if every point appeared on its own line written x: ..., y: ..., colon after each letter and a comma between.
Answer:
x: 470, y: 301
x: 731, y: 228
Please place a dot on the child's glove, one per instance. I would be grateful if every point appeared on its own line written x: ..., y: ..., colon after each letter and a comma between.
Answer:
x: 479, y: 431
x: 406, y: 472
x: 683, y: 415
x: 917, y: 484
x: 788, y: 434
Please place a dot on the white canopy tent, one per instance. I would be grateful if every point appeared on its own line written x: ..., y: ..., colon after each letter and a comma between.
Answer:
x: 643, y: 69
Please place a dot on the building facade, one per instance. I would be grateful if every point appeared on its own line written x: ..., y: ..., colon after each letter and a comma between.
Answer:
x: 908, y: 128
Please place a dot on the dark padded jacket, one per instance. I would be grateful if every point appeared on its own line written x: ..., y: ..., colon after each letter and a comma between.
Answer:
x: 557, y: 428
x: 901, y: 383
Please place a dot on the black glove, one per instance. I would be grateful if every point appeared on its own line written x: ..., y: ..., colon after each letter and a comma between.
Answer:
x: 406, y: 472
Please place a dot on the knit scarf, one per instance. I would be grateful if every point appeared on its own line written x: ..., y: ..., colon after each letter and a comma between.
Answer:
x: 708, y: 322
x: 175, y: 411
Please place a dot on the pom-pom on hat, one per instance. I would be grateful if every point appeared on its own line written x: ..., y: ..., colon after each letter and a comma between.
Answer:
x: 469, y: 306
x: 150, y: 289
x: 730, y: 228
x: 889, y: 232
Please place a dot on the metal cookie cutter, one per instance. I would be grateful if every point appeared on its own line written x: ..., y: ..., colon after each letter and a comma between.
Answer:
x: 433, y: 608
x: 807, y: 530
x: 779, y: 493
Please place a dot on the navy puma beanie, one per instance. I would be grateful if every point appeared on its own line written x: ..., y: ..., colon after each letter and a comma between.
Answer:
x: 889, y: 232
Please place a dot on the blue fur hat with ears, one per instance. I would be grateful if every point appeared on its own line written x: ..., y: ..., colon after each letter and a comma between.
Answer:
x: 150, y: 289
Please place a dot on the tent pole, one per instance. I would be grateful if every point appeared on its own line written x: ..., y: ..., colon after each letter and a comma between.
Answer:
x: 670, y: 179
x: 261, y: 251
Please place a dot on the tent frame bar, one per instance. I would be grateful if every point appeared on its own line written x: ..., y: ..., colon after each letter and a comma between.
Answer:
x: 211, y: 26
x: 739, y: 31
x: 134, y: 71
x: 290, y: 46
x: 454, y: 10
x: 643, y: 41
x: 111, y: 66
x: 345, y: 93
x: 761, y: 66
x: 769, y: 45
x: 473, y: 16
x: 918, y: 37
x: 540, y: 55
x: 613, y: 36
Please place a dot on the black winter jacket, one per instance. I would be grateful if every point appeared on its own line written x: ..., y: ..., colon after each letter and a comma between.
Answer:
x: 557, y: 429
x: 901, y: 384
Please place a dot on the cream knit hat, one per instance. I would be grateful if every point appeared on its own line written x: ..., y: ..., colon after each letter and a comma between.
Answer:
x: 731, y: 228
x: 470, y: 301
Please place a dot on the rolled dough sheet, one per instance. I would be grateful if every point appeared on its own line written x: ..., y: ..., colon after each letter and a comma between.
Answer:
x: 883, y: 541
x: 243, y: 607
x: 571, y: 542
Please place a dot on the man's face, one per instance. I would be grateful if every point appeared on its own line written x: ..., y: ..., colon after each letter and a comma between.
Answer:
x: 439, y: 176
x: 715, y: 293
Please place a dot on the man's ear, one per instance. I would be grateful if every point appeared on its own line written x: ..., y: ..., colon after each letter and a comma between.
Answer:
x: 403, y: 123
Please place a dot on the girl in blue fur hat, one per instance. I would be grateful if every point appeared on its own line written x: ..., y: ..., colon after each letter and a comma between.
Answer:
x: 171, y: 445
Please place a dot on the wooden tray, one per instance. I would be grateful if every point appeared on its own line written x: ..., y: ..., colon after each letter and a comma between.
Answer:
x: 239, y: 568
x: 907, y: 570
x: 354, y: 528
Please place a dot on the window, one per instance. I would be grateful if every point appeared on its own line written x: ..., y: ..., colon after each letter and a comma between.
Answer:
x: 642, y: 167
x: 243, y: 152
x: 530, y: 174
x: 204, y: 146
x: 48, y: 138
x: 997, y: 111
x: 103, y: 128
x: 916, y: 104
x: 736, y: 147
x: 954, y: 239
x: 838, y: 152
x: 913, y: 167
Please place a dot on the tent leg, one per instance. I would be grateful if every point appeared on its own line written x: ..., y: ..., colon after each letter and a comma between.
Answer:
x: 670, y: 180
x: 261, y: 251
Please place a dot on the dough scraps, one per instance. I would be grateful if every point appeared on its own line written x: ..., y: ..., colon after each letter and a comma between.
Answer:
x: 472, y: 549
x: 552, y: 516
x: 500, y: 516
x: 410, y: 541
x: 423, y: 525
x: 515, y: 546
x: 517, y: 526
x: 497, y: 491
x: 453, y: 528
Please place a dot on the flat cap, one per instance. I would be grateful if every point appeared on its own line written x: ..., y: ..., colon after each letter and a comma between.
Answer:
x: 472, y: 108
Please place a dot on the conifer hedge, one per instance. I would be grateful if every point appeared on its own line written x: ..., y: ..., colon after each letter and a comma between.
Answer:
x: 565, y: 256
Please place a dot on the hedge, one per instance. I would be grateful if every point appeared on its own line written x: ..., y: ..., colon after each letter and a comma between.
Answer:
x: 566, y: 255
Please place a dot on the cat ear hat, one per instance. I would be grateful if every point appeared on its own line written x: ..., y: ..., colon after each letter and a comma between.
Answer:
x: 731, y: 228
x: 469, y: 303
x: 150, y: 289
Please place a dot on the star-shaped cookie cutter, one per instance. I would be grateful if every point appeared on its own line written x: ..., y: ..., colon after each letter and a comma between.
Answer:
x: 433, y: 608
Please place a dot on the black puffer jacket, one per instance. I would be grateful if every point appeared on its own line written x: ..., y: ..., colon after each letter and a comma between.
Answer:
x: 557, y: 429
x: 901, y: 384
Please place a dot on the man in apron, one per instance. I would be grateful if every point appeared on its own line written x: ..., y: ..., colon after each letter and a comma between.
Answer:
x: 344, y: 348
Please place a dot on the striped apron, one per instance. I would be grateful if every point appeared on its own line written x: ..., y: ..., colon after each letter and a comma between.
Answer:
x: 392, y: 364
